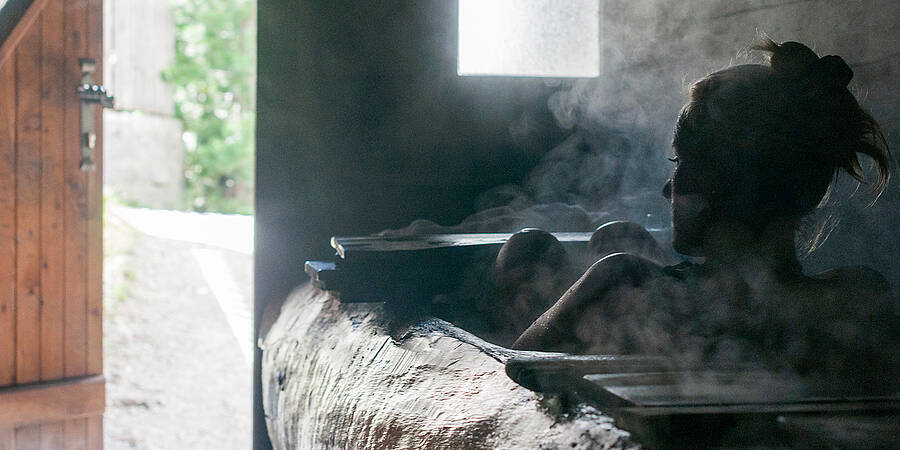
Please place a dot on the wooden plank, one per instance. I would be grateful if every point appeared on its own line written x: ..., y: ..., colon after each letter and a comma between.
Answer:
x: 413, y: 268
x: 558, y: 373
x: 851, y: 405
x: 28, y: 204
x: 8, y: 47
x: 28, y: 437
x: 52, y: 186
x: 94, y: 205
x: 7, y: 225
x: 95, y: 432
x: 52, y: 435
x: 75, y: 232
x: 51, y: 401
x: 76, y: 434
x: 7, y: 439
x: 696, y: 388
x: 346, y: 246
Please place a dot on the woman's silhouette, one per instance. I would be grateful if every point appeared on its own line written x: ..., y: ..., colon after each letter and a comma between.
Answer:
x: 756, y: 149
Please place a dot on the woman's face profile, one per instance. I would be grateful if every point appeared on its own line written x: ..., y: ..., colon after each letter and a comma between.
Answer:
x: 689, y: 205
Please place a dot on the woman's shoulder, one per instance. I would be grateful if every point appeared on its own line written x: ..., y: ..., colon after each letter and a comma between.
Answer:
x: 625, y: 267
x: 850, y: 294
x: 606, y: 282
x: 855, y: 279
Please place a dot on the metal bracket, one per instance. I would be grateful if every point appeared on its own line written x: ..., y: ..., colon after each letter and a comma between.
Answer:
x: 90, y: 94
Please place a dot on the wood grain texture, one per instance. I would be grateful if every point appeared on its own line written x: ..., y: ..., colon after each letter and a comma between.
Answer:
x: 94, y: 199
x: 76, y: 435
x: 52, y: 401
x: 52, y: 186
x: 348, y: 247
x: 8, y: 47
x: 52, y: 435
x: 338, y: 376
x: 94, y: 432
x: 75, y: 202
x: 7, y: 439
x: 28, y: 437
x: 28, y: 204
x: 7, y: 224
x: 48, y: 330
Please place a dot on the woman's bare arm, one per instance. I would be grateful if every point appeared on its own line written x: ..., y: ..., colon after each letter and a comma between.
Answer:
x: 555, y: 329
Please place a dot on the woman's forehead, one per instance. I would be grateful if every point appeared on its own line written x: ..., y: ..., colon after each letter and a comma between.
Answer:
x: 686, y: 133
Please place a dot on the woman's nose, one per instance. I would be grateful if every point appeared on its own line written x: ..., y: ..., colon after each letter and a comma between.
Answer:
x: 667, y: 189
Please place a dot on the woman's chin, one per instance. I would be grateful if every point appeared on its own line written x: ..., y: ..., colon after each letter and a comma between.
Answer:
x: 684, y: 246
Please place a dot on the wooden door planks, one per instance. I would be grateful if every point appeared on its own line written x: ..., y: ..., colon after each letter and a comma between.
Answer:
x: 24, y: 24
x: 28, y: 204
x: 75, y: 203
x: 70, y: 399
x: 28, y: 437
x: 52, y: 188
x: 7, y: 224
x: 76, y: 434
x: 50, y: 231
x: 46, y: 436
x: 94, y: 275
x: 52, y: 435
x: 94, y: 432
x: 7, y: 439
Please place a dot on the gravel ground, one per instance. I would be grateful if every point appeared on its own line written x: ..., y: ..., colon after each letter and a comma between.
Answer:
x: 177, y: 375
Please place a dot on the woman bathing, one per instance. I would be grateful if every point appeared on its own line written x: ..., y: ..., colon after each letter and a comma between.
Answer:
x: 756, y: 149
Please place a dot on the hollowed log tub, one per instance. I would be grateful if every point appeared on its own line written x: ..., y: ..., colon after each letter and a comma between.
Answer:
x: 339, y: 371
x: 334, y: 376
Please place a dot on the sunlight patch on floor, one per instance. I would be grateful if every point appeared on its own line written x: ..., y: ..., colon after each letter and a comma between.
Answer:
x: 221, y: 283
x: 228, y: 231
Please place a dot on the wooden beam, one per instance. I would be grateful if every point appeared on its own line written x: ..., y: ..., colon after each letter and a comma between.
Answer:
x: 8, y: 438
x: 53, y: 94
x: 8, y: 225
x: 57, y: 400
x: 8, y: 46
x: 28, y: 207
x: 75, y: 199
x: 348, y: 246
x: 94, y: 192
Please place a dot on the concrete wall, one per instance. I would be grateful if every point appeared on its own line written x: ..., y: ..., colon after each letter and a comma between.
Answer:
x: 143, y: 151
x: 148, y: 163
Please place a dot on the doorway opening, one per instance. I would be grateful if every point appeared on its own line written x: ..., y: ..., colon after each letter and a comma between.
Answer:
x: 178, y: 222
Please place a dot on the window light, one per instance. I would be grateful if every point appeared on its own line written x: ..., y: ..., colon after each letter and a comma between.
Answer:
x: 536, y: 38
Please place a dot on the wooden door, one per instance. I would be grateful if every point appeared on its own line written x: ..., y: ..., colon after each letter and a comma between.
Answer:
x: 51, y: 384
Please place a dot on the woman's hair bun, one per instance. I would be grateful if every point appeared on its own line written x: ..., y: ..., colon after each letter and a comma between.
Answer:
x: 794, y: 59
x: 833, y: 70
x: 791, y: 58
x: 822, y: 118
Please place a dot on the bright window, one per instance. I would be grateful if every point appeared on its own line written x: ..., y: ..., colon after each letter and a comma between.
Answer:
x: 537, y: 38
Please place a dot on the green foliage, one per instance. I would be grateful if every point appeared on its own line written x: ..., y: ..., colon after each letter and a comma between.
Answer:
x: 214, y: 75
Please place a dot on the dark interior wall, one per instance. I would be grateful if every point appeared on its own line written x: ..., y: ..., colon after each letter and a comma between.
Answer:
x: 363, y: 125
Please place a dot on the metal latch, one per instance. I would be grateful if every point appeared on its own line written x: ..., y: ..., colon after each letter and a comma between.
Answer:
x: 90, y: 94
